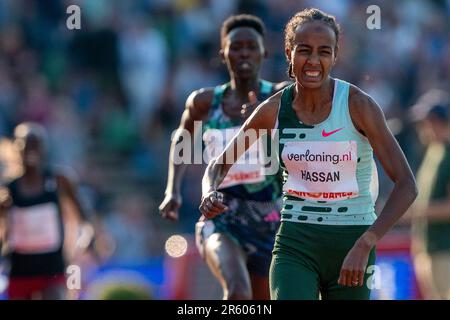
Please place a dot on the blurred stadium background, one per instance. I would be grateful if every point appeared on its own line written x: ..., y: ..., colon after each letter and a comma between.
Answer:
x: 111, y: 94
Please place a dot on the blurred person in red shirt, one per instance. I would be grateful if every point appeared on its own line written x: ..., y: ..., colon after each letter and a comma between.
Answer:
x: 35, y: 208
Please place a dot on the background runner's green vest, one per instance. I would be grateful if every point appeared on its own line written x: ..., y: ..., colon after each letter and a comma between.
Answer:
x: 270, y: 188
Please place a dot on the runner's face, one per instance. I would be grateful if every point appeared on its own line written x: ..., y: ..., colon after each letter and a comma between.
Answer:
x: 31, y: 151
x: 313, y: 54
x: 243, y: 51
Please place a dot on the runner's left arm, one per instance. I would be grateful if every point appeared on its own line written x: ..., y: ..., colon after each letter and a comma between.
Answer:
x: 67, y: 191
x: 369, y: 119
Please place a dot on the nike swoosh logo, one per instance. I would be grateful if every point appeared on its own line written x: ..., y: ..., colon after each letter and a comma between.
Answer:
x: 327, y: 134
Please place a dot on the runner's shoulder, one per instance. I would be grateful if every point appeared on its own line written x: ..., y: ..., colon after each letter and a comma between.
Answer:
x: 359, y: 101
x: 201, y: 99
x: 272, y: 103
x: 266, y: 113
x: 64, y: 174
x: 364, y: 110
x: 281, y: 85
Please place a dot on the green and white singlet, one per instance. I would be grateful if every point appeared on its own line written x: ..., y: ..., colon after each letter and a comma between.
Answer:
x: 329, y: 174
x: 329, y: 191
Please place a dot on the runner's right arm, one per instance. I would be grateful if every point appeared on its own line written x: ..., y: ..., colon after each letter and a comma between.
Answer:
x: 197, y: 108
x: 263, y: 118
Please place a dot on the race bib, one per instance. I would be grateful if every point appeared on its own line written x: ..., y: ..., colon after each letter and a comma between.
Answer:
x: 34, y: 229
x: 247, y: 169
x: 321, y: 170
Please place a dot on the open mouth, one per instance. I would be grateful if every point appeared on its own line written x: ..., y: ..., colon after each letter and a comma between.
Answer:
x: 312, y: 74
x: 32, y: 159
x: 245, y: 66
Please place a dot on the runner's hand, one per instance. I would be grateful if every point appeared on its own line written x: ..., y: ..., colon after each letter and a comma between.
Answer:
x: 249, y: 107
x: 354, y: 265
x: 212, y: 204
x: 169, y: 206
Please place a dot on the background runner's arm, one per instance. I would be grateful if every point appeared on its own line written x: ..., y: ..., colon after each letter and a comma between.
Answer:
x: 197, y: 108
x: 68, y: 192
x: 69, y: 197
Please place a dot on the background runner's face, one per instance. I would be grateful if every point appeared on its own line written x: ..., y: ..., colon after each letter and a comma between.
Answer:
x: 243, y: 50
x: 31, y: 151
x: 313, y: 54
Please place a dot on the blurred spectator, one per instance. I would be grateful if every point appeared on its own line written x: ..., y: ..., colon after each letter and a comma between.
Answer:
x: 131, y: 229
x: 143, y: 67
x: 117, y: 130
x: 192, y: 72
x: 431, y: 213
x: 67, y: 135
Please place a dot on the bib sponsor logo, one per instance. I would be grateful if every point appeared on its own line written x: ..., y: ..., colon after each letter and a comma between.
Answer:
x: 241, y: 177
x: 34, y: 229
x: 327, y: 134
x: 323, y: 157
x: 321, y: 170
x: 321, y: 195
